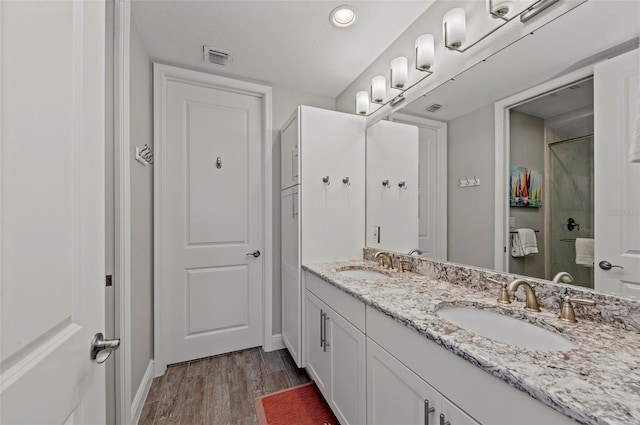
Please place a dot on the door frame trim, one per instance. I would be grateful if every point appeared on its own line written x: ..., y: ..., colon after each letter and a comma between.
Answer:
x: 122, y: 207
x: 502, y: 154
x: 161, y: 75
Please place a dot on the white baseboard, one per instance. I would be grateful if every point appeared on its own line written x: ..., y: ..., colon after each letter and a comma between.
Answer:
x: 141, y: 395
x: 276, y: 343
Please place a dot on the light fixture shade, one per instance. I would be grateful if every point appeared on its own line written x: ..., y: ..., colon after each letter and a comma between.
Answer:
x: 378, y: 88
x: 499, y: 9
x: 362, y: 102
x: 399, y: 72
x: 455, y: 28
x: 425, y: 52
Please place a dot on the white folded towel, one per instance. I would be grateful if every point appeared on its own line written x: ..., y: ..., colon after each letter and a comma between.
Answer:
x: 524, y: 243
x: 584, y: 252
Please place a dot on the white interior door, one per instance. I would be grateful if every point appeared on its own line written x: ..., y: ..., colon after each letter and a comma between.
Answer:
x: 52, y: 211
x: 617, y: 198
x: 212, y: 220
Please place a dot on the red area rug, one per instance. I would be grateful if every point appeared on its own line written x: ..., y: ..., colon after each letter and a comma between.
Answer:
x: 301, y: 405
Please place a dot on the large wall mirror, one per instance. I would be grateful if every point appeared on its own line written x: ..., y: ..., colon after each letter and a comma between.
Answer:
x: 546, y: 132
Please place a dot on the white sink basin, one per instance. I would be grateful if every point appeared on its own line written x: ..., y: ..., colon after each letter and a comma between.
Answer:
x: 505, y: 329
x: 363, y: 274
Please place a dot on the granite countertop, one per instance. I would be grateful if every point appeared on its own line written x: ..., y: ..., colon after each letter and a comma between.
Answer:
x: 598, y: 382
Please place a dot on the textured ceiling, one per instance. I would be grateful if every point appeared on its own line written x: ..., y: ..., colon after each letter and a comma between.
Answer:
x: 284, y: 43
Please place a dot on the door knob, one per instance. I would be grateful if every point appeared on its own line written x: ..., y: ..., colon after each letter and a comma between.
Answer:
x: 605, y: 265
x: 102, y: 348
x: 255, y: 254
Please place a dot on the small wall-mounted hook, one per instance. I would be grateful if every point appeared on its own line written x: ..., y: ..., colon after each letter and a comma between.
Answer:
x: 219, y: 163
x: 403, y: 185
x: 571, y: 224
x: 386, y: 184
x: 326, y: 181
x: 346, y: 181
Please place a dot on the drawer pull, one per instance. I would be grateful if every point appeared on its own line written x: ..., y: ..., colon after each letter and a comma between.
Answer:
x: 442, y: 421
x: 326, y: 344
x: 427, y: 410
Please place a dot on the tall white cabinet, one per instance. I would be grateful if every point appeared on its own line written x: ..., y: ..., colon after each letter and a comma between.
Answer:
x: 322, y: 203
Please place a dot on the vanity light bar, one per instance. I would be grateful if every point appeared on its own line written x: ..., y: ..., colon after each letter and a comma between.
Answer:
x: 454, y: 33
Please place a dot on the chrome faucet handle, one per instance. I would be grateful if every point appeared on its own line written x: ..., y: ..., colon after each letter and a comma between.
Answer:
x: 503, y: 295
x: 567, y: 314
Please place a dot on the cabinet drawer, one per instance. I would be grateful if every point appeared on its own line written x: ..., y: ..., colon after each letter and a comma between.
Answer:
x: 344, y: 304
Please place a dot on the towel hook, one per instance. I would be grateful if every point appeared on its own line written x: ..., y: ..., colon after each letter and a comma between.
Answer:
x: 386, y: 184
x: 326, y: 181
x: 403, y: 185
x: 346, y: 181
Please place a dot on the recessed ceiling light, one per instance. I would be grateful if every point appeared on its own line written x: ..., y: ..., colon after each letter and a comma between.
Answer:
x: 343, y: 16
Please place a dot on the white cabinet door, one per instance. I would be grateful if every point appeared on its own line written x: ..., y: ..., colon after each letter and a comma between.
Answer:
x: 52, y: 211
x: 346, y: 346
x: 291, y: 275
x: 289, y: 158
x: 617, y: 223
x: 318, y: 362
x: 396, y: 395
x: 453, y: 415
x: 335, y: 352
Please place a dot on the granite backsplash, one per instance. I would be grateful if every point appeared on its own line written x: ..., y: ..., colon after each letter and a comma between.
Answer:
x: 611, y: 309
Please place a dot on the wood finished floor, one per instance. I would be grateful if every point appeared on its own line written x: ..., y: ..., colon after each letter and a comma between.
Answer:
x: 220, y: 389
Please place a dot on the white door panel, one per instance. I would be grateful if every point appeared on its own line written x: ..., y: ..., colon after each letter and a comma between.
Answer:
x: 52, y: 211
x: 213, y: 210
x: 617, y: 216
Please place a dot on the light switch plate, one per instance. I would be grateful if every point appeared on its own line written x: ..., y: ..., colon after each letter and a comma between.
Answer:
x: 376, y: 234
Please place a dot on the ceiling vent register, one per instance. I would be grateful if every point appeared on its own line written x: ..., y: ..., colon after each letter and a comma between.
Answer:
x: 216, y: 56
x: 434, y: 107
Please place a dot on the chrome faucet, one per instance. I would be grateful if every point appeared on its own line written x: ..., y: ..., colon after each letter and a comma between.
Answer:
x: 382, y: 256
x: 531, y: 302
x: 562, y: 277
x: 415, y: 251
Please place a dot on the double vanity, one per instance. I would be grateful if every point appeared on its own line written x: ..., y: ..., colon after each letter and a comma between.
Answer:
x: 432, y: 345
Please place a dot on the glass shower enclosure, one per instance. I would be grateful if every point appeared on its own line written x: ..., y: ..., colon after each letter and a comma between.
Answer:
x: 571, y: 211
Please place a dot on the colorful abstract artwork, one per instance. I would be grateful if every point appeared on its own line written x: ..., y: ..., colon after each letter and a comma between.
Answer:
x: 525, y: 187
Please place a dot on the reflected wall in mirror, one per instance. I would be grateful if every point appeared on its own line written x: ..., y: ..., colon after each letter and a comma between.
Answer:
x: 477, y: 219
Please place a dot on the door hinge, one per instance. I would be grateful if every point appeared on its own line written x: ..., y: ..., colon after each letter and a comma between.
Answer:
x: 109, y: 280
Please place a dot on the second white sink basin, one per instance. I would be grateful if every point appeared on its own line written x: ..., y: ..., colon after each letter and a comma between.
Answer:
x: 363, y: 274
x: 505, y: 329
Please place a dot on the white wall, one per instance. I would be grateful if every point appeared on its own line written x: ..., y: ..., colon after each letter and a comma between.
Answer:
x: 527, y: 150
x: 284, y: 104
x: 471, y: 209
x: 141, y: 121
